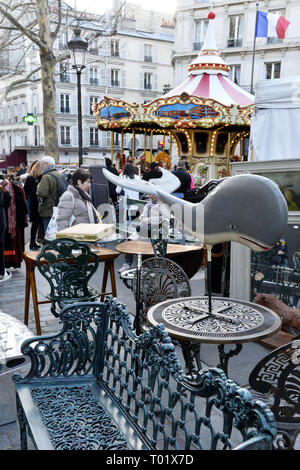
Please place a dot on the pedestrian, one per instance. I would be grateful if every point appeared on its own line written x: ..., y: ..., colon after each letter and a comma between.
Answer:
x: 154, y: 223
x: 129, y: 173
x: 75, y: 206
x: 22, y: 170
x: 30, y: 188
x: 153, y: 173
x: 47, y: 190
x: 112, y: 187
x: 184, y: 178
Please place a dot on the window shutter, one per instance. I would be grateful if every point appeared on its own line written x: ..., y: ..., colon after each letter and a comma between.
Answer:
x: 141, y: 80
x: 73, y: 104
x: 123, y: 79
x: 74, y: 141
x: 155, y: 85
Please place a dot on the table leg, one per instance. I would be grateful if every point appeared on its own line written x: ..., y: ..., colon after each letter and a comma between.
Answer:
x: 224, y: 357
x: 104, y: 281
x: 27, y: 297
x: 191, y: 353
x: 35, y: 303
x: 112, y: 278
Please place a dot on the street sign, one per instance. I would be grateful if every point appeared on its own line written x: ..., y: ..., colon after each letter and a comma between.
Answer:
x: 30, y: 119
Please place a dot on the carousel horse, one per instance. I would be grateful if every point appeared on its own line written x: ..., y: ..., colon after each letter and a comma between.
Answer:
x: 248, y: 209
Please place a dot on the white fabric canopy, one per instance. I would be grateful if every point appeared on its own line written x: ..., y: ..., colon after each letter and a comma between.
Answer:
x: 275, y: 126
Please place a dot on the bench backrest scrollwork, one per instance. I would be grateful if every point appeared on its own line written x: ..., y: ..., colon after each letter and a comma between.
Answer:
x: 143, y: 376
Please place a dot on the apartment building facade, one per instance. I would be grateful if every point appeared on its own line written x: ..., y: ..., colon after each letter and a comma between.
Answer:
x: 133, y: 65
x: 235, y: 28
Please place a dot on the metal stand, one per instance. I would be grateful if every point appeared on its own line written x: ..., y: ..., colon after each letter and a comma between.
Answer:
x: 209, y: 288
x: 137, y: 319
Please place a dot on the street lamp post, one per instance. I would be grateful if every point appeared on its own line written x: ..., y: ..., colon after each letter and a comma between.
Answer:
x: 78, y: 47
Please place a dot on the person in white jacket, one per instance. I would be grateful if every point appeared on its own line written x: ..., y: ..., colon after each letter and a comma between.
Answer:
x: 129, y: 172
x: 154, y: 222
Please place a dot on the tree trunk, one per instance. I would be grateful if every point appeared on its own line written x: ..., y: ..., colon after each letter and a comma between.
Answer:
x: 48, y: 80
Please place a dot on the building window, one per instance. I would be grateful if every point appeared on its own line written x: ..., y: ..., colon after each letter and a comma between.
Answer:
x: 94, y: 136
x: 200, y: 30
x: 148, y: 56
x: 64, y: 74
x: 63, y: 41
x: 115, y: 78
x: 94, y: 76
x: 114, y: 48
x: 65, y: 103
x: 148, y: 81
x: 93, y: 48
x: 272, y: 70
x: 65, y: 136
x: 93, y: 99
x: 235, y: 74
x: 235, y: 31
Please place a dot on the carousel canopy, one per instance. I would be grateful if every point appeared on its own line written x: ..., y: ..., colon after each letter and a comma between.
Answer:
x: 206, y: 99
x: 208, y: 76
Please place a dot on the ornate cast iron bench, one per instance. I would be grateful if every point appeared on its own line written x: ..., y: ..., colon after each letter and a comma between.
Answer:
x: 276, y: 381
x: 96, y: 385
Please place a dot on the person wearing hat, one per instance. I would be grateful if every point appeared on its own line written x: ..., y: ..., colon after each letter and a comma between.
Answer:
x: 47, y: 190
x: 153, y: 173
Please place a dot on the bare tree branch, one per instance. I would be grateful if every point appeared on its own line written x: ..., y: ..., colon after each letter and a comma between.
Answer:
x: 33, y: 37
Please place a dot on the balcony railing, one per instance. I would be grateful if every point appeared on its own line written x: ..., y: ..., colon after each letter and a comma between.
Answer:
x: 93, y: 51
x: 94, y: 81
x: 94, y: 143
x: 197, y: 46
x: 147, y: 86
x: 274, y: 41
x: 115, y: 83
x: 64, y: 78
x: 115, y: 54
x: 65, y: 109
x: 66, y: 142
x: 148, y: 58
x: 237, y: 42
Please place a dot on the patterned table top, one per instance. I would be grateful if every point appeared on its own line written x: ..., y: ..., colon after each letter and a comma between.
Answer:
x: 230, y: 321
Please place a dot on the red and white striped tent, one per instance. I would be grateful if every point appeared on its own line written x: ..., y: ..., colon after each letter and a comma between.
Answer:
x: 208, y: 76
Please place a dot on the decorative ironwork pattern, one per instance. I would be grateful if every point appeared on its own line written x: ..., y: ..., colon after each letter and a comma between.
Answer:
x: 68, y: 265
x: 162, y: 279
x: 276, y: 381
x: 76, y: 420
x: 230, y: 320
x: 143, y: 378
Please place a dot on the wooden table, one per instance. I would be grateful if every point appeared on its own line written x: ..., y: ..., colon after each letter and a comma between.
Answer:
x: 104, y: 255
x: 230, y: 322
x: 189, y: 257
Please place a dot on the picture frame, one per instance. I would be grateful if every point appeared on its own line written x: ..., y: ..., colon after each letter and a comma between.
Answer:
x: 284, y: 173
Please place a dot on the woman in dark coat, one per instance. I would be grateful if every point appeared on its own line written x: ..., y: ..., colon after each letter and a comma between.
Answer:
x: 30, y: 186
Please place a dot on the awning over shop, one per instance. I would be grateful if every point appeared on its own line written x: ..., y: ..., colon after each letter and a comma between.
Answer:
x: 14, y: 159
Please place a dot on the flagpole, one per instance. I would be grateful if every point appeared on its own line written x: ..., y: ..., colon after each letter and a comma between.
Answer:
x: 254, y: 45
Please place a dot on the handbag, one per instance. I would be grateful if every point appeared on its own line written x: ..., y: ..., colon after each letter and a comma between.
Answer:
x: 51, y: 231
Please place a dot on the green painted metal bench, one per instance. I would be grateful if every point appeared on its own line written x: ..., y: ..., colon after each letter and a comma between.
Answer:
x: 96, y: 385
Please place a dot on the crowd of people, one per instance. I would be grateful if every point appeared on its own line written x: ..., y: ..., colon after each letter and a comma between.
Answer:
x: 31, y: 193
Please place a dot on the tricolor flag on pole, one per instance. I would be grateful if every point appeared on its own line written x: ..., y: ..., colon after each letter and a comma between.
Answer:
x: 270, y: 25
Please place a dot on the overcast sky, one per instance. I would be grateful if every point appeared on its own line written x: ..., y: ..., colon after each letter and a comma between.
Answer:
x: 98, y: 6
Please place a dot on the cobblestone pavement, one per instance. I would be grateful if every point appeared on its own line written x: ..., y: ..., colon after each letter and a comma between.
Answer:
x: 12, y: 294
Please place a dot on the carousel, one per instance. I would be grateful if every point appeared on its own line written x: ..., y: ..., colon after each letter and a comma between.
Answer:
x: 207, y: 117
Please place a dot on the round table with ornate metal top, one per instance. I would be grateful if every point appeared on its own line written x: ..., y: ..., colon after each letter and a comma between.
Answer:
x: 229, y: 322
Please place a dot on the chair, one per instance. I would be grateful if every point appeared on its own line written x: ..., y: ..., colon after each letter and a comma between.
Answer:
x: 68, y: 266
x: 275, y: 380
x: 162, y: 279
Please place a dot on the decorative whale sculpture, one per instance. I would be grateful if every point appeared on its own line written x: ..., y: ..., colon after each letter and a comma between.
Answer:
x: 168, y: 182
x: 248, y: 209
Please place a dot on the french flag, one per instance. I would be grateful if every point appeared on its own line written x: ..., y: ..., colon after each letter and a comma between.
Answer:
x: 270, y: 25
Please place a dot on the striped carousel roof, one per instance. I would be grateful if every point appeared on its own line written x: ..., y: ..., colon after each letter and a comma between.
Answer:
x: 208, y: 76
